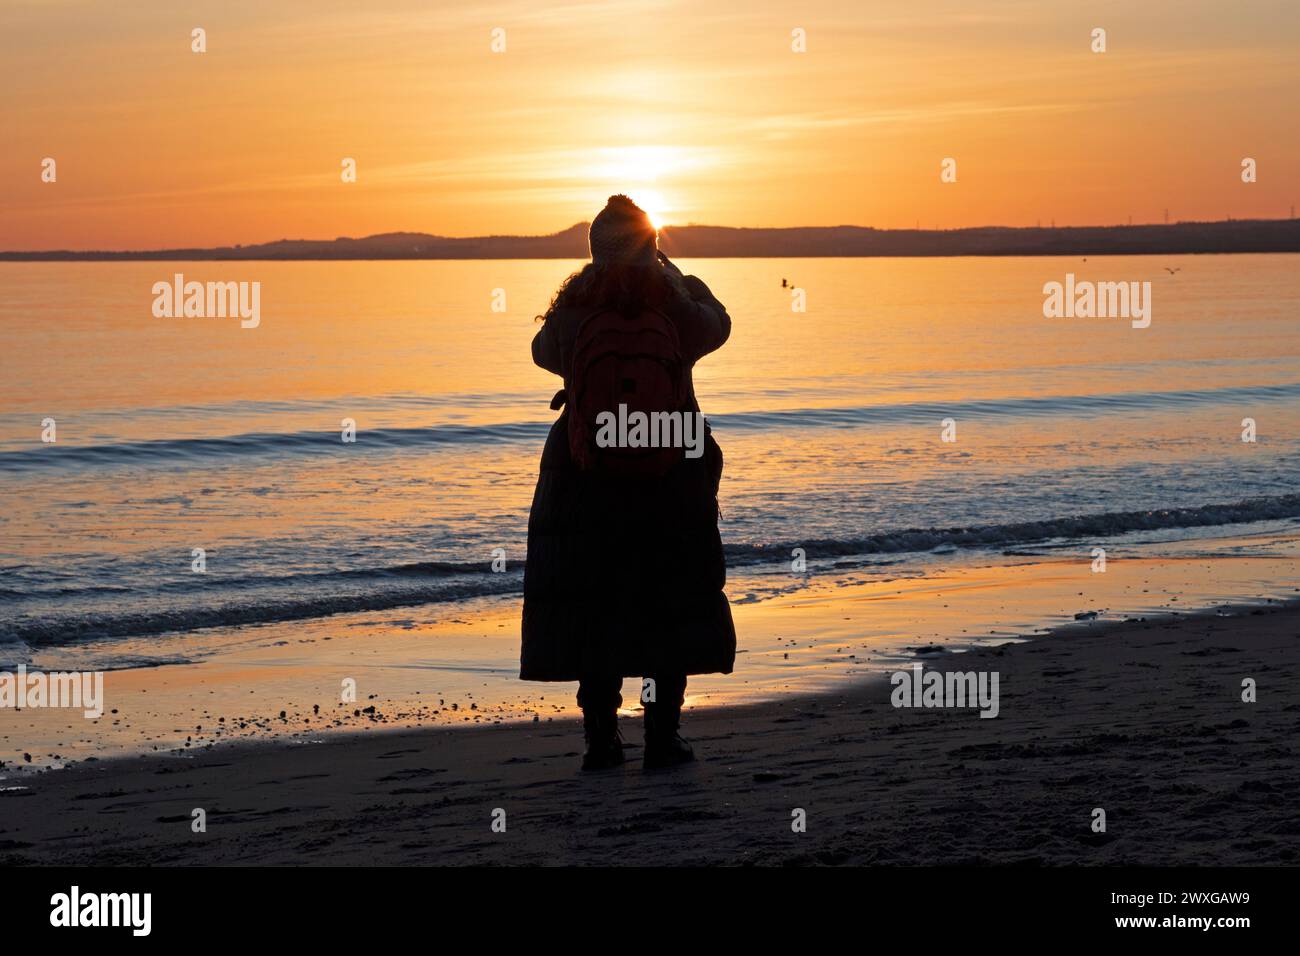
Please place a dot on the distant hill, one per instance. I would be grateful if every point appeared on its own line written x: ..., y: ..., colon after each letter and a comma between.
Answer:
x: 1237, y: 235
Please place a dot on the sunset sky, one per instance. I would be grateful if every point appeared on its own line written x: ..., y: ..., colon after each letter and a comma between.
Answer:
x: 700, y: 110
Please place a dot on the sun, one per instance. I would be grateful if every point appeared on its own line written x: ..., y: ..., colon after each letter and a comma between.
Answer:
x: 637, y: 172
x: 652, y: 203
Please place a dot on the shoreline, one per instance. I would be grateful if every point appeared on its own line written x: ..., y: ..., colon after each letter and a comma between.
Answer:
x: 1143, y: 719
x: 456, y: 665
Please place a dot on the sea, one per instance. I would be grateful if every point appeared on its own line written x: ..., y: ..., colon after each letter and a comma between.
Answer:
x: 371, y: 446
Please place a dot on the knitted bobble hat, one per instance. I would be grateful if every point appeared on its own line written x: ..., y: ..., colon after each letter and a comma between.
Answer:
x: 622, y: 232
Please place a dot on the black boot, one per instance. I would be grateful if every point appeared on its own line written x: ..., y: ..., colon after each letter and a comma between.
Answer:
x: 604, y: 742
x: 664, y: 746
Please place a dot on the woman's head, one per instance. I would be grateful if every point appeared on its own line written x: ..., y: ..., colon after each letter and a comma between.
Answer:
x: 622, y: 233
x: 625, y: 272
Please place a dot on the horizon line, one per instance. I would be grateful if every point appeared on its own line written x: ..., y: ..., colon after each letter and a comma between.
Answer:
x: 666, y: 228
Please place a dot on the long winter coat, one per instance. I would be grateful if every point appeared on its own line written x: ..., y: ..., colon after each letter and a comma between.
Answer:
x: 624, y: 576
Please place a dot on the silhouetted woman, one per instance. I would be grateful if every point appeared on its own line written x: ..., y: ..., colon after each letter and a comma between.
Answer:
x: 625, y: 567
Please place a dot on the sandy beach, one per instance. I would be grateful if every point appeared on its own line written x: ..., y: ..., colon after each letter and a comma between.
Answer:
x: 1144, y: 719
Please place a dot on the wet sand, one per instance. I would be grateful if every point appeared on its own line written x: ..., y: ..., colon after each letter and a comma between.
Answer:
x: 445, y: 665
x: 1142, y: 719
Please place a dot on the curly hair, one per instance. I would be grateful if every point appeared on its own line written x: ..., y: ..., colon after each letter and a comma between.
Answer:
x: 625, y: 287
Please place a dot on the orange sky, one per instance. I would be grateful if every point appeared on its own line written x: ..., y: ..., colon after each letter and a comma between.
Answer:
x: 701, y: 110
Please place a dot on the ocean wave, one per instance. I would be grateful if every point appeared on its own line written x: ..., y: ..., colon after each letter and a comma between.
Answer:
x: 68, y: 628
x: 196, y: 451
x: 1094, y: 526
x: 420, y: 583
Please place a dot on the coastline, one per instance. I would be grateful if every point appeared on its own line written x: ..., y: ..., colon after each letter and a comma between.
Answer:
x: 697, y: 241
x: 1141, y: 718
x: 455, y: 664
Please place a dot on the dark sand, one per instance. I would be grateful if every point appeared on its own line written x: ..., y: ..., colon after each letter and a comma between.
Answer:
x: 1142, y: 719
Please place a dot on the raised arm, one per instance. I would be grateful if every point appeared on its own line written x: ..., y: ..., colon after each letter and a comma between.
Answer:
x: 708, y: 326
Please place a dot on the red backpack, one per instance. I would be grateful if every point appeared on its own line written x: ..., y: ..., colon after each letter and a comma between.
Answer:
x: 624, y: 360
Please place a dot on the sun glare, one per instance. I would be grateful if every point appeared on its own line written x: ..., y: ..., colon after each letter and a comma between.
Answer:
x: 634, y: 170
x: 652, y: 203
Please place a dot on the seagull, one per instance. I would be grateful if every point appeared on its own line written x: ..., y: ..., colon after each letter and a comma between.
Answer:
x: 1172, y: 271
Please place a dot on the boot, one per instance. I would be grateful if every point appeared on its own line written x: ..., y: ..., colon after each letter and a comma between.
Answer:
x: 664, y: 746
x: 604, y: 742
